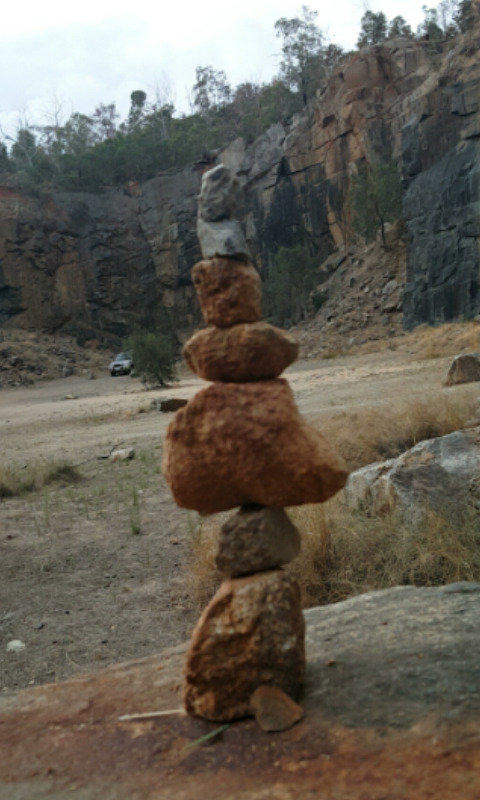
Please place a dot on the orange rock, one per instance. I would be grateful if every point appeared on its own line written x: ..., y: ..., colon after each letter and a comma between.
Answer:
x: 251, y: 634
x: 244, y: 352
x: 229, y: 291
x: 242, y: 444
x: 275, y: 710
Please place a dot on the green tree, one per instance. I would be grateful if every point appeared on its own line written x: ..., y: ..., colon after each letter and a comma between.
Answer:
x: 304, y: 64
x: 464, y: 16
x: 104, y: 121
x: 138, y: 98
x: 373, y: 30
x: 153, y: 356
x: 376, y: 198
x: 211, y: 92
x: 398, y: 27
x: 430, y: 27
x: 290, y: 279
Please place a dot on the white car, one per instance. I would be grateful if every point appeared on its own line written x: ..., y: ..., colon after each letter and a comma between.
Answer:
x: 122, y: 364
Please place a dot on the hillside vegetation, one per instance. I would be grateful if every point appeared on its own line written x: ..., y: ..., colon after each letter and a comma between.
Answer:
x: 92, y: 152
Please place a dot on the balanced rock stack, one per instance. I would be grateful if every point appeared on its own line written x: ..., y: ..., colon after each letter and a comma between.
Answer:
x: 241, y: 442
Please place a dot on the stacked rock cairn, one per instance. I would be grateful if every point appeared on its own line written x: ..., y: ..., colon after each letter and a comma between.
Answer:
x: 241, y: 443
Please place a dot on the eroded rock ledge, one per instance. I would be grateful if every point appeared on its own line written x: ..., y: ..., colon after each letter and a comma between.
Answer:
x: 392, y: 704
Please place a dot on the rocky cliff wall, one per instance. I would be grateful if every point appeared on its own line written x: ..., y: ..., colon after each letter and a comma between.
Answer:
x: 91, y: 264
x: 441, y: 203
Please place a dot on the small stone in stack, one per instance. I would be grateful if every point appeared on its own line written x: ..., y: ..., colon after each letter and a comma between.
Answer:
x: 256, y: 539
x: 243, y: 352
x: 219, y: 233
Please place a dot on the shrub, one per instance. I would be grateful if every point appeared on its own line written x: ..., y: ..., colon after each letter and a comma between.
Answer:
x: 153, y: 356
x: 376, y: 198
x: 290, y: 279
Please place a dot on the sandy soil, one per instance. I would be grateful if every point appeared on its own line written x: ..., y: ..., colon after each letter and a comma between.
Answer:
x: 96, y: 572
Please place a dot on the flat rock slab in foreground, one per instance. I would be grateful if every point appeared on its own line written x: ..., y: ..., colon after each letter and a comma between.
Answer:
x: 392, y: 704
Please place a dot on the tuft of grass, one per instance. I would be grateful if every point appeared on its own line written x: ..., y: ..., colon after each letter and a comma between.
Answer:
x: 202, y: 576
x: 34, y: 477
x: 332, y: 353
x: 366, y: 435
x: 352, y: 554
x: 134, y: 514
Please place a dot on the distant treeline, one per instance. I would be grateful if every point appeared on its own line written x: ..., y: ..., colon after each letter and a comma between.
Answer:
x: 90, y: 153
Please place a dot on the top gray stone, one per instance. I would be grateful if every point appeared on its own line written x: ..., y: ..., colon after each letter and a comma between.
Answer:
x: 218, y: 232
x: 220, y: 195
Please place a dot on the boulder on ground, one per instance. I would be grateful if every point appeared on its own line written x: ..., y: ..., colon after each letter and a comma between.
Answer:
x: 243, y: 444
x: 256, y: 539
x: 251, y: 634
x: 168, y: 404
x: 242, y: 353
x: 229, y: 291
x: 438, y: 475
x: 465, y: 368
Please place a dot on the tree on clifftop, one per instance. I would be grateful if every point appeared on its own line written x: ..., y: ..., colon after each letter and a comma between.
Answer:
x: 303, y: 62
x: 374, y: 29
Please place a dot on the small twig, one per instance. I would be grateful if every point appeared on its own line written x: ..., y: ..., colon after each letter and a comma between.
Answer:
x: 151, y: 714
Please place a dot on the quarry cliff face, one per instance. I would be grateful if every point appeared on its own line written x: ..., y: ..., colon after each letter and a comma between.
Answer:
x: 92, y: 264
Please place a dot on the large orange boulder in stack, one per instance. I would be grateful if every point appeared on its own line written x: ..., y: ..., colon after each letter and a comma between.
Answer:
x: 237, y: 444
x: 241, y: 442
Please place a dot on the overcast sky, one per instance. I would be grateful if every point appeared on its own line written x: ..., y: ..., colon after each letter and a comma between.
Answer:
x: 78, y: 54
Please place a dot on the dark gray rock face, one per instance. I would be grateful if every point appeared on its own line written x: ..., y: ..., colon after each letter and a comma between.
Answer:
x: 441, y: 164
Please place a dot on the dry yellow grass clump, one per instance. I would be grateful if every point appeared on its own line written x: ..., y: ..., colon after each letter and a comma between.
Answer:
x: 32, y: 477
x: 428, y: 342
x: 366, y: 435
x: 345, y: 554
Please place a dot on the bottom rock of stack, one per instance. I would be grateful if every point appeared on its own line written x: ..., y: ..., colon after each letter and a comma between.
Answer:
x: 251, y: 634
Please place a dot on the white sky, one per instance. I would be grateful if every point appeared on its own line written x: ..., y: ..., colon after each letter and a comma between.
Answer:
x: 78, y: 54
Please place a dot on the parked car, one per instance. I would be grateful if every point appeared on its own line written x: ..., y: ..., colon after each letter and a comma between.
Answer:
x: 122, y: 364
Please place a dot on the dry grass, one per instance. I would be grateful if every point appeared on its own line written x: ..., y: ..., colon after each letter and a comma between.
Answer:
x: 345, y: 554
x: 33, y: 477
x: 427, y: 342
x: 374, y: 434
x: 202, y: 576
x: 355, y: 554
